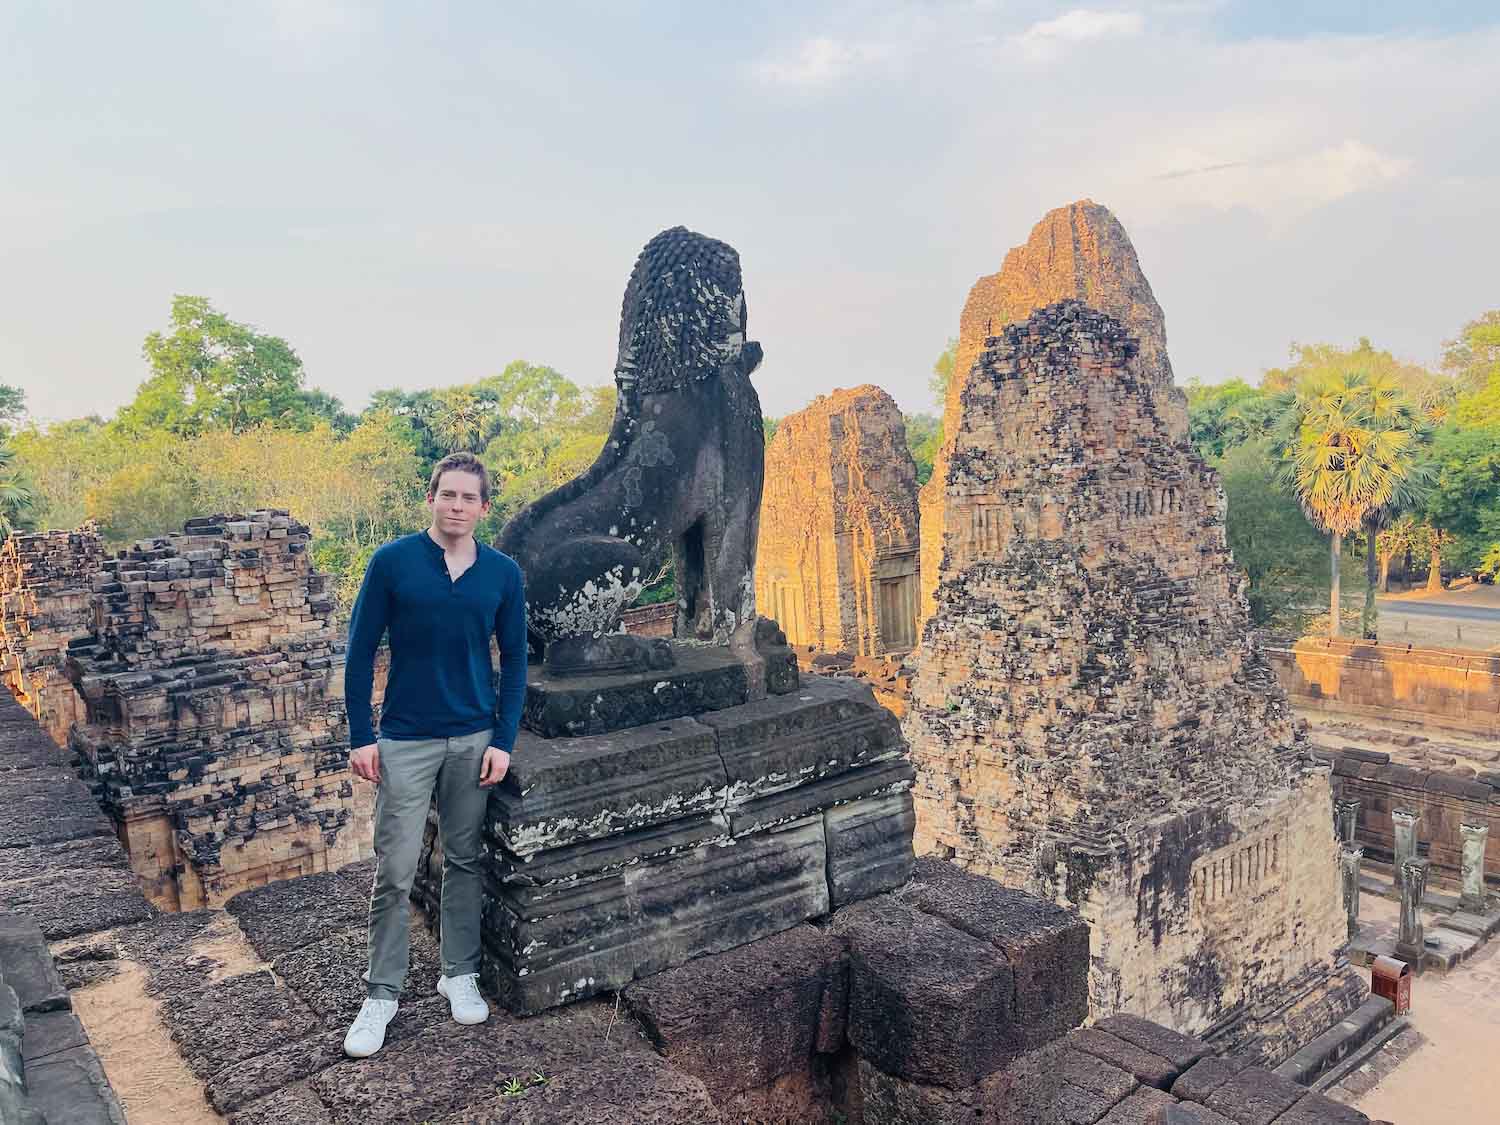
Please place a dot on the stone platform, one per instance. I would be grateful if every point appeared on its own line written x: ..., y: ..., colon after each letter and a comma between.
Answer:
x: 619, y: 853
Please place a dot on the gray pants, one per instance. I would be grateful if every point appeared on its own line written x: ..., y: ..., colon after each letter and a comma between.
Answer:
x: 409, y: 772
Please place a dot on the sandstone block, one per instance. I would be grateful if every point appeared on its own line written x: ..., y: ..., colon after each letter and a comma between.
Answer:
x: 826, y: 727
x: 292, y: 1105
x: 1204, y: 1077
x: 704, y: 679
x: 285, y: 1065
x: 1047, y: 947
x: 48, y: 1033
x: 560, y: 791
x: 1182, y: 1051
x: 739, y: 1020
x: 927, y: 1003
x: 869, y: 847
x: 885, y: 1099
x: 1316, y: 1109
x: 28, y: 965
x: 1048, y: 1068
x: 571, y: 940
x: 231, y: 1020
x: 293, y: 913
x: 628, y: 1090
x: 1255, y: 1096
x: 882, y: 778
x: 1149, y: 1069
x: 1144, y: 1107
x: 70, y: 1086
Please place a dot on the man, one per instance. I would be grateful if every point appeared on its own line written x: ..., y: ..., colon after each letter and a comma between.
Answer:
x: 441, y: 596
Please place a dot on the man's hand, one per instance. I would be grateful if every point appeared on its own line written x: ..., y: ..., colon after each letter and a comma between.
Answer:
x: 496, y: 762
x: 365, y: 762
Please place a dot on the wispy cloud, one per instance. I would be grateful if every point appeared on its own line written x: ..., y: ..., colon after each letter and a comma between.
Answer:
x: 820, y: 62
x: 1047, y: 39
x: 1280, y: 187
x: 1183, y: 173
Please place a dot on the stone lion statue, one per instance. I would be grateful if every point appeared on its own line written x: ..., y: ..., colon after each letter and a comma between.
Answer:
x: 679, y: 478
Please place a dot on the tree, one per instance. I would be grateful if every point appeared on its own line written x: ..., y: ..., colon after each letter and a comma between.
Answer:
x: 1282, y: 555
x: 1473, y: 358
x: 1222, y: 416
x: 16, y: 493
x: 65, y: 461
x: 461, y: 418
x: 1463, y: 506
x: 942, y: 371
x: 1349, y: 445
x: 210, y: 371
x: 924, y: 433
x: 12, y: 408
x: 1401, y: 538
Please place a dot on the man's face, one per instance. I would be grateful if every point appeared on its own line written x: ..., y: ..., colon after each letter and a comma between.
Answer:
x: 455, y: 504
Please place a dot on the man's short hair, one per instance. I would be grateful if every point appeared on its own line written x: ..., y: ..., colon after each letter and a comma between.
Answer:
x: 462, y: 463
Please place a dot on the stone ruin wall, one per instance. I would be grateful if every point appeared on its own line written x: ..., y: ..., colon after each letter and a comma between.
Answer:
x: 837, y: 552
x: 1078, y: 252
x: 201, y: 675
x: 1454, y: 688
x: 1090, y: 718
x: 1443, y: 802
x: 45, y: 604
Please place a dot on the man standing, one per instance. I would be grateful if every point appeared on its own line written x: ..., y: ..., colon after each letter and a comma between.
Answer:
x: 441, y: 595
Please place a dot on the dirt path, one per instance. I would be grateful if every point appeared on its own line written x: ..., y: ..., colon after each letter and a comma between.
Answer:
x: 1452, y: 1076
x: 124, y: 1024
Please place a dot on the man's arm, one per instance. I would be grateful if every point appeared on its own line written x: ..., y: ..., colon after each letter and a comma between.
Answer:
x: 372, y: 610
x: 510, y: 634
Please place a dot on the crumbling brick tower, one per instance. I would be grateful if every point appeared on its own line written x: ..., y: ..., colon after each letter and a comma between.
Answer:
x: 1090, y: 718
x: 46, y: 583
x: 1078, y: 252
x: 215, y: 713
x: 837, y: 558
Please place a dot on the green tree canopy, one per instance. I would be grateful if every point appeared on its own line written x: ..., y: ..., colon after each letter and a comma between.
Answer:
x: 1464, y: 501
x: 1222, y: 416
x: 924, y: 433
x: 1473, y: 357
x: 1281, y: 552
x: 211, y: 372
x: 1351, y: 445
x: 942, y: 372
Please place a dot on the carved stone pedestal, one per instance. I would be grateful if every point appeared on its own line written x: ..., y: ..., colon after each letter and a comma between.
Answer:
x: 616, y: 855
x: 1405, y: 824
x: 1476, y: 836
x: 1346, y: 820
x: 1409, y: 944
x: 1349, y: 861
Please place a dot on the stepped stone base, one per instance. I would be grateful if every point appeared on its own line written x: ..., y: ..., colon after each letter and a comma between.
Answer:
x: 618, y: 854
x: 1338, y: 1042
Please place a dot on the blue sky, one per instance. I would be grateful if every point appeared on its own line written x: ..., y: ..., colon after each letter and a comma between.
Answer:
x: 416, y: 194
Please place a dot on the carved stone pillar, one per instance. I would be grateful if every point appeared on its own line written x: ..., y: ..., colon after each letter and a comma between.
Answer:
x: 1413, y: 885
x: 1476, y: 836
x: 1349, y: 859
x: 1405, y: 823
x: 1346, y: 814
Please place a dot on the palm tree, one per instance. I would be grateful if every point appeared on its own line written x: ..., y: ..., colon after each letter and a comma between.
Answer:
x: 460, y: 418
x: 16, y: 493
x: 1350, y: 446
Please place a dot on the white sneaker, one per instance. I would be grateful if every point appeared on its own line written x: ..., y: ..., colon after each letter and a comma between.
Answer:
x: 367, y: 1032
x: 463, y: 998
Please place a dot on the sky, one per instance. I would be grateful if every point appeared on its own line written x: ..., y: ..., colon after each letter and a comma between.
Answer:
x: 414, y: 195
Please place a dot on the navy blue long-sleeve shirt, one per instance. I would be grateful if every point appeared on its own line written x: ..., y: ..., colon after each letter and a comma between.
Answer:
x: 441, y: 682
